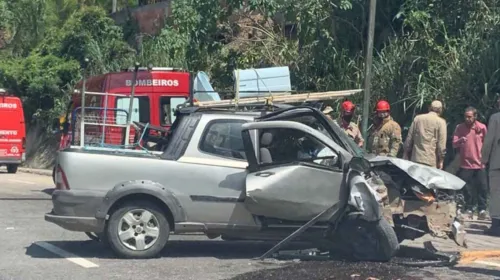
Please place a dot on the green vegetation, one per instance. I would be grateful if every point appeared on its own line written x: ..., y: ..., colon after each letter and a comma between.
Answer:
x: 425, y: 49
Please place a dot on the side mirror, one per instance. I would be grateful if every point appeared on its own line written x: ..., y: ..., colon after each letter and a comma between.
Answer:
x: 360, y: 164
x: 56, y: 124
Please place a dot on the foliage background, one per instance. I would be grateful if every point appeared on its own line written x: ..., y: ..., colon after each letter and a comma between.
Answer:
x: 424, y: 49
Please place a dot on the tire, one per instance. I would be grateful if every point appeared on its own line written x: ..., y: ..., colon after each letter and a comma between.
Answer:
x: 128, y: 248
x: 369, y: 241
x: 11, y: 168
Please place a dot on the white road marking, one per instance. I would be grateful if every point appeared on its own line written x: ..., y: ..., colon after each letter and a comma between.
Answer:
x: 67, y: 255
x: 488, y: 263
x: 21, y: 181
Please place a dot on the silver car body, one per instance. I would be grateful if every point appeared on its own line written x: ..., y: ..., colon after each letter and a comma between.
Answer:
x: 202, y: 192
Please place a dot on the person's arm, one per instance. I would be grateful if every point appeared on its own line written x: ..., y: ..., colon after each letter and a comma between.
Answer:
x: 441, y: 147
x: 396, y: 141
x: 485, y: 131
x: 489, y: 140
x: 408, y: 146
x: 457, y: 140
x: 359, y: 138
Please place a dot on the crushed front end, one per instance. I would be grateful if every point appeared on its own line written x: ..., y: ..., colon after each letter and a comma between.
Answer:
x: 414, y: 210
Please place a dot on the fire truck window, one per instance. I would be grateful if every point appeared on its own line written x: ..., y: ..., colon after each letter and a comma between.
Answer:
x: 167, y: 108
x: 140, y: 109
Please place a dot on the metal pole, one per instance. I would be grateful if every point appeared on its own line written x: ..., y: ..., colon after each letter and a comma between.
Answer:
x: 113, y: 9
x: 105, y: 118
x: 368, y: 68
x: 82, y: 115
x: 237, y: 90
x: 131, y: 105
x: 191, y: 89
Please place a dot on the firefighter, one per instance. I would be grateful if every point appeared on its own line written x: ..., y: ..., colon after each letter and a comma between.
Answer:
x: 385, y: 136
x: 426, y: 140
x: 345, y: 122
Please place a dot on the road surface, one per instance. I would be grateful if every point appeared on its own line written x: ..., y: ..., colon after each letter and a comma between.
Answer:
x: 35, y: 249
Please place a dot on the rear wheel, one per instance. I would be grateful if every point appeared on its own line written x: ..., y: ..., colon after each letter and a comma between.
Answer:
x: 11, y: 168
x: 137, y: 230
x: 368, y: 241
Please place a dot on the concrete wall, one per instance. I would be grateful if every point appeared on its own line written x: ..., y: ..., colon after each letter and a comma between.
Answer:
x: 150, y: 19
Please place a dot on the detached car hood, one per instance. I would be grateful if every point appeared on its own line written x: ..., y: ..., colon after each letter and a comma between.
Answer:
x: 429, y: 177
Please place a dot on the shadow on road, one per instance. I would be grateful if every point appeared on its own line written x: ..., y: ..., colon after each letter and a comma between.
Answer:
x: 23, y: 198
x: 174, y: 249
x: 48, y: 191
x: 478, y: 270
x: 204, y: 248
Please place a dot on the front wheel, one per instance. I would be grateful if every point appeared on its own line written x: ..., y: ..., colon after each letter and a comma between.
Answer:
x: 11, y: 168
x: 137, y: 230
x: 368, y: 241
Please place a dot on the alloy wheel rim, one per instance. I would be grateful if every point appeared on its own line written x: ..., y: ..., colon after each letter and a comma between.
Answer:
x: 138, y: 229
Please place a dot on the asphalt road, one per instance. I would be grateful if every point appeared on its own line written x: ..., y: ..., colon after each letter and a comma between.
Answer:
x: 27, y: 241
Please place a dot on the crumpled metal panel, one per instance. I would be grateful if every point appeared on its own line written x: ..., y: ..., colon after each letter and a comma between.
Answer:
x: 439, y: 215
x: 429, y: 177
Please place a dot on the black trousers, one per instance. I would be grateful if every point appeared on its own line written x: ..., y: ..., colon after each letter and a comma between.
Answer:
x: 476, y: 188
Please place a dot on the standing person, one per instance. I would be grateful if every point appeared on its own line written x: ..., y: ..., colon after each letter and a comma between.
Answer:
x: 491, y: 155
x: 385, y: 136
x: 426, y: 140
x: 350, y: 128
x: 468, y: 138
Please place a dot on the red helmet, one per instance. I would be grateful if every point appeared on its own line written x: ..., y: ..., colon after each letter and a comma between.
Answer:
x: 382, y: 106
x: 348, y: 106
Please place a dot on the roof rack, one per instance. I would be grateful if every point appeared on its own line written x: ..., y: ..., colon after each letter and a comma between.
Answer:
x: 270, y: 99
x: 76, y: 91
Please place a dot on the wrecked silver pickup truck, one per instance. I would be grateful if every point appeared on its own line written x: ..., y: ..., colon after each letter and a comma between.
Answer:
x: 243, y: 175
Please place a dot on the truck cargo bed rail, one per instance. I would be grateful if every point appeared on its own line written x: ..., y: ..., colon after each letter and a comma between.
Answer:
x: 270, y: 99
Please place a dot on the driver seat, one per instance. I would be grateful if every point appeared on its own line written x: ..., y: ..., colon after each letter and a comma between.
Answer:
x: 265, y: 141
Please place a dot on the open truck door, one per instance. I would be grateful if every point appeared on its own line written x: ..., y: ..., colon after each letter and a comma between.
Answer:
x: 295, y: 172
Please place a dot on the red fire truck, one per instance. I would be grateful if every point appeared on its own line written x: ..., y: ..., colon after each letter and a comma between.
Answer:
x: 158, y: 91
x: 12, y: 132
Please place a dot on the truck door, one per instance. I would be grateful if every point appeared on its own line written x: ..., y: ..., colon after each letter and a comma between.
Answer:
x: 294, y: 173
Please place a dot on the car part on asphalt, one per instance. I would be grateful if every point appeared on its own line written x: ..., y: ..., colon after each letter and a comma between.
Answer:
x: 434, y: 258
x: 429, y: 257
